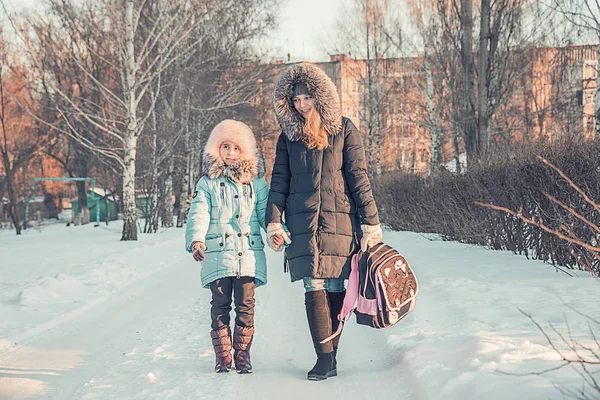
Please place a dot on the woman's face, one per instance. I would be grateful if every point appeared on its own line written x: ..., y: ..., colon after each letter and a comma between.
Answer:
x: 230, y: 152
x: 304, y: 103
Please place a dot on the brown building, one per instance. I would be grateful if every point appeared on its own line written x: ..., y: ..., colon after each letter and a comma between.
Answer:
x: 551, y: 95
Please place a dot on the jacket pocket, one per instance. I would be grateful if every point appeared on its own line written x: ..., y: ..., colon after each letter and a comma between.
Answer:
x: 255, y: 241
x: 214, y: 243
x: 343, y: 203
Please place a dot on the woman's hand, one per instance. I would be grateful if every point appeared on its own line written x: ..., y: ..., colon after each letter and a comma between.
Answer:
x: 372, y: 235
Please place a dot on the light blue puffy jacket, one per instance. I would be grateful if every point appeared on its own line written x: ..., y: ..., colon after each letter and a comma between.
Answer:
x: 227, y: 216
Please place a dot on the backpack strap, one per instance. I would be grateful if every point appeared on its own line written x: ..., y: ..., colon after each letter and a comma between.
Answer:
x: 351, y: 297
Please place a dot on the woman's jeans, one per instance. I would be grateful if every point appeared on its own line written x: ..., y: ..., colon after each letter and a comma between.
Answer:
x: 333, y: 285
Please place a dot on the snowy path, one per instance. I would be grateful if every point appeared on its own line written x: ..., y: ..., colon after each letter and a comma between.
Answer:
x: 98, y: 337
x: 113, y: 320
x: 149, y: 339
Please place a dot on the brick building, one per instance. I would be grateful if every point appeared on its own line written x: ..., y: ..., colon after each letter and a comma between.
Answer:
x: 552, y: 95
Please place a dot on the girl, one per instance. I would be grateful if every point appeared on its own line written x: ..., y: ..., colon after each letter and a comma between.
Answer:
x: 320, y: 183
x: 223, y: 233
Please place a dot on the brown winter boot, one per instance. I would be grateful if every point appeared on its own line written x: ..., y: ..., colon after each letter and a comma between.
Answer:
x: 319, y: 322
x: 221, y: 341
x: 242, y: 340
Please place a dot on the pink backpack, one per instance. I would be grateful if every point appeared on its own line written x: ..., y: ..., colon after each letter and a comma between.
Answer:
x: 382, y: 288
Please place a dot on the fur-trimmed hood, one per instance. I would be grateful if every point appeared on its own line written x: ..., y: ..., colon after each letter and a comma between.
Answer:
x: 324, y: 92
x: 250, y: 164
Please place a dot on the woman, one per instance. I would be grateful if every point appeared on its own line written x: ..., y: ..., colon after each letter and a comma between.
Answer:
x: 320, y: 187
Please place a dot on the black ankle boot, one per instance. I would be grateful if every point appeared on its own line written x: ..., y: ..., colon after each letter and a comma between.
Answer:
x: 319, y: 322
x: 323, y: 369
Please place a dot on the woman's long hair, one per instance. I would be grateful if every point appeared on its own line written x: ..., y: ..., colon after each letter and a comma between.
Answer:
x: 315, y: 137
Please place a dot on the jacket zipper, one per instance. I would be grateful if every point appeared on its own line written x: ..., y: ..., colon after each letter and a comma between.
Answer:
x: 240, y: 243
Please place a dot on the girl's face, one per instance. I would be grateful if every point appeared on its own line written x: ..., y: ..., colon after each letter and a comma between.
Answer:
x: 229, y: 152
x: 304, y: 103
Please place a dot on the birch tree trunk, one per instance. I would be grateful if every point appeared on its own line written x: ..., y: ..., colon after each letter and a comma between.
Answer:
x: 434, y: 128
x: 377, y: 129
x: 83, y: 212
x: 183, y: 192
x: 129, y: 206
x: 169, y: 105
x: 483, y: 77
x: 376, y: 102
x: 12, y: 202
x: 167, y: 203
x: 468, y: 122
x: 371, y: 111
x: 151, y: 225
x: 597, y: 96
x: 456, y: 143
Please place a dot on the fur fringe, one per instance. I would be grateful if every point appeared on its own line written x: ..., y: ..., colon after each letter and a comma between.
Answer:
x: 251, y: 163
x: 327, y: 101
x: 243, y: 171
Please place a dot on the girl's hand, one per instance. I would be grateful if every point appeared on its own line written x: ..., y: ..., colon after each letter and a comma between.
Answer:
x: 198, y: 251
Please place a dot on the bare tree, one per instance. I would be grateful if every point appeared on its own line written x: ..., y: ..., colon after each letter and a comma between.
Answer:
x: 474, y: 80
x: 431, y: 95
x: 369, y: 31
x: 373, y: 11
x: 160, y: 47
x: 585, y: 16
x: 581, y: 357
x: 140, y: 68
x: 564, y: 232
x: 484, y: 74
x: 60, y: 46
x: 147, y: 39
x: 468, y: 100
x: 21, y: 139
x: 220, y: 81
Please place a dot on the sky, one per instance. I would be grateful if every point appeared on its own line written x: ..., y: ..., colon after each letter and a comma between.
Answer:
x: 304, y: 24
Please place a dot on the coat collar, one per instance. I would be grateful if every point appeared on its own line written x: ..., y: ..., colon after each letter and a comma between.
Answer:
x: 243, y: 171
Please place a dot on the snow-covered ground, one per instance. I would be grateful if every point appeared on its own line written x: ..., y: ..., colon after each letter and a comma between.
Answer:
x: 85, y: 316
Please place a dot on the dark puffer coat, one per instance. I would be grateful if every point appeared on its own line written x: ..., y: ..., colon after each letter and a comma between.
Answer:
x: 323, y: 195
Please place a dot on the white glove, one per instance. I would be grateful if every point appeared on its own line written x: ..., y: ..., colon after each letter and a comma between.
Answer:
x: 371, y: 235
x: 274, y: 229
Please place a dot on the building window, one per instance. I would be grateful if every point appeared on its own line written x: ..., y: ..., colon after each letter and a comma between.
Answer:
x: 579, y: 97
